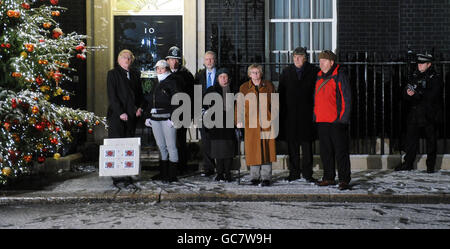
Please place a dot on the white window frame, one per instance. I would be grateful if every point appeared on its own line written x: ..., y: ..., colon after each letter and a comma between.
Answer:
x: 310, y: 20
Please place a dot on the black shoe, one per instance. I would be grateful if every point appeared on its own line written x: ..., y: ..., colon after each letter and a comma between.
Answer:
x: 208, y: 173
x: 219, y: 178
x: 311, y: 179
x: 157, y: 177
x: 255, y: 181
x: 430, y: 170
x: 228, y: 178
x: 291, y: 178
x: 265, y: 183
x: 403, y: 167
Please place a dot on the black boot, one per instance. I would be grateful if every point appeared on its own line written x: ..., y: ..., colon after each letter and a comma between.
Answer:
x: 227, y: 166
x: 181, y: 169
x: 403, y: 167
x: 430, y: 169
x: 172, y: 169
x: 219, y: 169
x: 160, y: 175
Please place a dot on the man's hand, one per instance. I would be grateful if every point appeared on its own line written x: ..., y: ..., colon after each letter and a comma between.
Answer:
x: 124, y: 117
x: 139, y: 112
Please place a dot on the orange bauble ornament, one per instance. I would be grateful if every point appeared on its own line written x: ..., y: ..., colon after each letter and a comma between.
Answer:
x: 6, y: 171
x: 35, y: 110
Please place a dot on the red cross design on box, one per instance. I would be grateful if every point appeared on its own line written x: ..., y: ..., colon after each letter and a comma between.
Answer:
x: 129, y: 164
x: 109, y: 165
x: 129, y: 153
x: 110, y: 153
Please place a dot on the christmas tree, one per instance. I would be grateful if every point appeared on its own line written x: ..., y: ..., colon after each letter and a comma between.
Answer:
x: 34, y: 60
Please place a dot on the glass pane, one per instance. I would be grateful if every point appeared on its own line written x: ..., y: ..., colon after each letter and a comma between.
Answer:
x: 279, y: 36
x: 281, y: 60
x: 279, y: 9
x: 322, y: 9
x: 322, y: 35
x: 279, y: 57
x: 300, y: 34
x: 301, y: 9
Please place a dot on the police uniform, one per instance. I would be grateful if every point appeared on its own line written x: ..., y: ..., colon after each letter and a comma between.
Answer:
x: 185, y: 83
x: 424, y: 113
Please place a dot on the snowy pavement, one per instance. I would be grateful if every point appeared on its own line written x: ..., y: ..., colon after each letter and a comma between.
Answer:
x: 227, y: 215
x: 367, y: 186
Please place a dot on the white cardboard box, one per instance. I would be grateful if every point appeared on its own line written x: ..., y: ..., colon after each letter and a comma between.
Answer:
x: 120, y: 157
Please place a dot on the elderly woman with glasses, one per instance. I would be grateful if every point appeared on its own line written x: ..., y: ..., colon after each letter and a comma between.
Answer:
x: 255, y: 113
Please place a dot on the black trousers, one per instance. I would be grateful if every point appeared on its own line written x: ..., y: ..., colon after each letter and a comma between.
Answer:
x: 182, y: 148
x: 412, y: 144
x: 334, y: 148
x: 121, y: 129
x: 208, y: 161
x: 294, y: 158
x: 224, y: 165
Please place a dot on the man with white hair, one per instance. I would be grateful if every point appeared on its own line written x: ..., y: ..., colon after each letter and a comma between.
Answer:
x: 125, y: 97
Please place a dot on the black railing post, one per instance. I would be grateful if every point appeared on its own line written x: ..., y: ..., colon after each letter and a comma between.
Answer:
x: 382, y: 108
x: 374, y: 123
x: 444, y: 78
x: 358, y: 105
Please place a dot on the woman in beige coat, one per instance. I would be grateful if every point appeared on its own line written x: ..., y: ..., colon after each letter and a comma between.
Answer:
x: 258, y: 116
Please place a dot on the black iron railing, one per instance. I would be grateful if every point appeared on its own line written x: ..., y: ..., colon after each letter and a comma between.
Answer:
x: 378, y: 113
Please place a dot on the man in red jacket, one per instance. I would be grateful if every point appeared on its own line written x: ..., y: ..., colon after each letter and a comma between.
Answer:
x: 332, y: 104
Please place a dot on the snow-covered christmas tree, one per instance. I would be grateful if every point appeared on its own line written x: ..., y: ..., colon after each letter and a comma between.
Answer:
x: 34, y: 60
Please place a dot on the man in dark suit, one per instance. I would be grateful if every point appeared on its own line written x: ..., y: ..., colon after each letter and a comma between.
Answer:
x: 296, y: 89
x: 125, y: 97
x: 206, y: 78
x: 185, y: 83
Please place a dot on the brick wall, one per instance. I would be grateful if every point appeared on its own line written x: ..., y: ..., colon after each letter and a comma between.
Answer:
x: 391, y: 26
x: 425, y: 24
x: 250, y: 40
x: 370, y: 25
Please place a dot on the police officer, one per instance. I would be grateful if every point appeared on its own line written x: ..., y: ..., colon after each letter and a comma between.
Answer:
x: 185, y: 82
x: 424, y: 95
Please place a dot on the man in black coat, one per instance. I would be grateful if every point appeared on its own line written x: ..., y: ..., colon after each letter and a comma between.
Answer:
x: 296, y: 91
x: 207, y: 78
x: 424, y: 96
x: 185, y: 81
x: 125, y: 97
